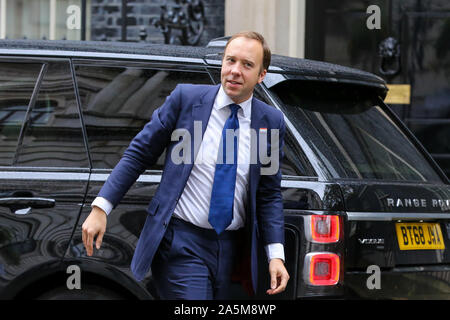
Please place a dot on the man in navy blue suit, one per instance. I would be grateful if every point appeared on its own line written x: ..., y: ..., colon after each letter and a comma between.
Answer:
x: 207, y: 211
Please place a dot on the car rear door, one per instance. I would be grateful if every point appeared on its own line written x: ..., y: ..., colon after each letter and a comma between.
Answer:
x: 44, y: 168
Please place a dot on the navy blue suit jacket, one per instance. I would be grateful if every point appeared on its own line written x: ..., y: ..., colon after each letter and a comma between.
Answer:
x: 186, y: 104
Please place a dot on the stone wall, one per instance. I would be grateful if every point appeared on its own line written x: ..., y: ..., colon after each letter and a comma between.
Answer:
x: 106, y: 19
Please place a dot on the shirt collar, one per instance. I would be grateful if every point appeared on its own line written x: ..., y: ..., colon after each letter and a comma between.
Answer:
x: 223, y: 100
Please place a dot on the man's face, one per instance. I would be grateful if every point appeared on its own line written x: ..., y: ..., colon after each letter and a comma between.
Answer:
x: 242, y: 68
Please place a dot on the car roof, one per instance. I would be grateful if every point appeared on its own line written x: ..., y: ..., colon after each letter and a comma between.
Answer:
x: 302, y: 69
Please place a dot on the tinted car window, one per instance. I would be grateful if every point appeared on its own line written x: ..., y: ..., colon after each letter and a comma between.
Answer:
x: 17, y: 82
x: 352, y: 134
x: 52, y: 133
x: 118, y: 102
x: 295, y: 162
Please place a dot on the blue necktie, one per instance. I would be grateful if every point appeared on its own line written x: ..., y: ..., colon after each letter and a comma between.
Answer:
x: 222, y: 196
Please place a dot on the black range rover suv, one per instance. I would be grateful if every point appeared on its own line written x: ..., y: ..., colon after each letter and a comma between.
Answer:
x: 367, y: 209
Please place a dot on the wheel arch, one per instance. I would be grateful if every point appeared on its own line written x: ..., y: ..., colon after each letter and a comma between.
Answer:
x: 48, y: 276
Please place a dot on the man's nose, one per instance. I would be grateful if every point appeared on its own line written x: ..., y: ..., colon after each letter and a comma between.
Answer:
x: 236, y: 69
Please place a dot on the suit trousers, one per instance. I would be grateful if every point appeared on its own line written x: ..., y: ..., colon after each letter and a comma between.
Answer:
x: 194, y: 263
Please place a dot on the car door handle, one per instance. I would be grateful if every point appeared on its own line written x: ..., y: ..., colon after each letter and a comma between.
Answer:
x: 23, y: 202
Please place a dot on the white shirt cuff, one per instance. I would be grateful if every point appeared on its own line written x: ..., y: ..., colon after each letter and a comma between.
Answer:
x: 103, y: 204
x: 275, y: 250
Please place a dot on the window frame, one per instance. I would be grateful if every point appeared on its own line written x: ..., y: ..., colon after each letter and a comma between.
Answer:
x: 31, y: 102
x: 310, y: 157
x: 44, y: 64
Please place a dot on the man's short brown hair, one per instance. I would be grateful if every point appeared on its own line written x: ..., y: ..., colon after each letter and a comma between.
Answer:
x: 267, y: 55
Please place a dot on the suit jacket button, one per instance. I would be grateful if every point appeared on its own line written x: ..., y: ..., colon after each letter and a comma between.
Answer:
x: 165, y: 224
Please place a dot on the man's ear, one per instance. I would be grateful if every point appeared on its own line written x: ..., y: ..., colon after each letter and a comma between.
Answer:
x: 262, y: 75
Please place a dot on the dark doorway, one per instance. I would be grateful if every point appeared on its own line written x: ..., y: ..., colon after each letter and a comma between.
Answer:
x: 336, y: 31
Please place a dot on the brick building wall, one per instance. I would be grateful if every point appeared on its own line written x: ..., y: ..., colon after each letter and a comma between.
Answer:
x: 106, y: 19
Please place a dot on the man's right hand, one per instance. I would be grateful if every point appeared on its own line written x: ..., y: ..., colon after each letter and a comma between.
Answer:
x: 94, y: 225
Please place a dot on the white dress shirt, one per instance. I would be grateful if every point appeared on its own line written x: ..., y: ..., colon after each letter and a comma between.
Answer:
x: 194, y: 202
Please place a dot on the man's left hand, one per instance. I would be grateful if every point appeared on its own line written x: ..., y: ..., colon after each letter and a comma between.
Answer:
x: 278, y: 276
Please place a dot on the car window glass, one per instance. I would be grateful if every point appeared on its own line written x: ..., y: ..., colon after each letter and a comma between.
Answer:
x: 118, y: 102
x: 215, y: 74
x: 53, y: 135
x: 295, y: 162
x: 351, y: 134
x: 17, y: 82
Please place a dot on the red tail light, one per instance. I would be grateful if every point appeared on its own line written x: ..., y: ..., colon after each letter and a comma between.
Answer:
x: 324, y: 228
x: 322, y: 268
